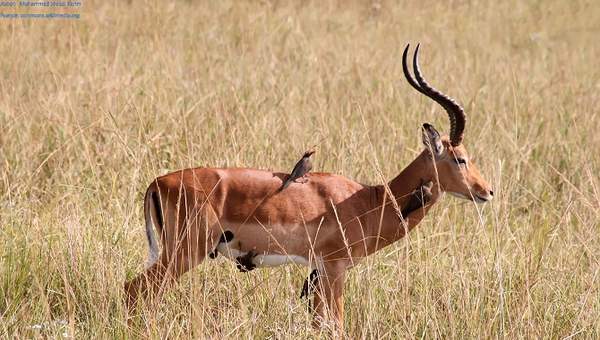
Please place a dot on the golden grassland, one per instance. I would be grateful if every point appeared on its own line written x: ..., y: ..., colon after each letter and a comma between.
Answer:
x: 92, y: 110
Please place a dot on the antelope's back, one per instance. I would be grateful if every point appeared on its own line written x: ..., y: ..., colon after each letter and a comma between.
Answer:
x: 240, y: 194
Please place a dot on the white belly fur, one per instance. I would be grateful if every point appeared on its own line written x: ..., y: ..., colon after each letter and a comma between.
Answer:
x: 261, y: 260
x: 267, y: 260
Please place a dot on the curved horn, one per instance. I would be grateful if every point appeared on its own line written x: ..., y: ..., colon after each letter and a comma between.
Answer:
x: 407, y: 74
x: 454, y: 110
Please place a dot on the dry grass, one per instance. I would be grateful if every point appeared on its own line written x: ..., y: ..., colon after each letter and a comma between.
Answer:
x: 92, y: 110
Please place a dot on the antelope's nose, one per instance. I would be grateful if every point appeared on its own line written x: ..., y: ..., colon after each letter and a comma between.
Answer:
x: 491, y: 192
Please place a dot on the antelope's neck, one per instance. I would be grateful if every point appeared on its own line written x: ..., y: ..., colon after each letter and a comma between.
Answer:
x: 414, y: 175
x: 386, y: 227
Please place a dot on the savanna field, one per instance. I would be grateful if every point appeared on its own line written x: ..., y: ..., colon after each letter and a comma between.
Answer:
x: 92, y: 110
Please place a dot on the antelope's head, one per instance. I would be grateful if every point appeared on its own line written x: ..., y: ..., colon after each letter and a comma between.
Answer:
x: 455, y: 171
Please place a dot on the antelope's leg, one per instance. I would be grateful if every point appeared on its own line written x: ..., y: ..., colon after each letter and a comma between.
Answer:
x: 309, y: 284
x: 328, y: 299
x: 185, y: 243
x: 172, y: 264
x: 147, y: 283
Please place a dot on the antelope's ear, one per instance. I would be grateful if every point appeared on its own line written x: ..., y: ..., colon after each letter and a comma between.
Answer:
x: 432, y: 139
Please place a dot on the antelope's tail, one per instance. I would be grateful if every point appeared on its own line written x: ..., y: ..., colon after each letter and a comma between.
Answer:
x: 153, y: 216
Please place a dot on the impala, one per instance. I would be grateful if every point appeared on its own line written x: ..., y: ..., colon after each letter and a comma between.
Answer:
x: 328, y: 223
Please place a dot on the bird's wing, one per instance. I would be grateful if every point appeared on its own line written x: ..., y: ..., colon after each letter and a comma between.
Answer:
x: 297, y: 170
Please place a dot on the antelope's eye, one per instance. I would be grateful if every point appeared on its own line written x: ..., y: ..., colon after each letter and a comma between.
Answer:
x: 460, y: 161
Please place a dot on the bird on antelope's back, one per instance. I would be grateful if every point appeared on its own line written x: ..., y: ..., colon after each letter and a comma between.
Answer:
x: 303, y: 166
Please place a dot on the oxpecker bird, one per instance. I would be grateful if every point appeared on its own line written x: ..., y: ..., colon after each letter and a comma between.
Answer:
x: 303, y: 166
